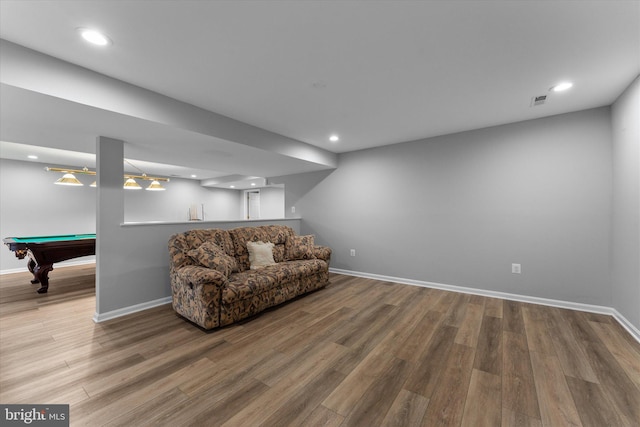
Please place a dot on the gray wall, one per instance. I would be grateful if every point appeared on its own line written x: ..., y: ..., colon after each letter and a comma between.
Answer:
x: 460, y: 209
x: 271, y: 202
x: 625, y: 248
x: 174, y: 203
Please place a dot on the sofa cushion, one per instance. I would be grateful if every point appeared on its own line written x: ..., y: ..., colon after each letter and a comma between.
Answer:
x: 178, y: 248
x: 248, y: 284
x: 213, y: 256
x: 279, y: 253
x: 297, y: 269
x: 276, y: 234
x: 252, y: 282
x: 300, y: 247
x: 195, y: 238
x: 260, y: 254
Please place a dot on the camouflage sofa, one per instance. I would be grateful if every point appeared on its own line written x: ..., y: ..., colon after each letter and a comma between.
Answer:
x: 212, y: 283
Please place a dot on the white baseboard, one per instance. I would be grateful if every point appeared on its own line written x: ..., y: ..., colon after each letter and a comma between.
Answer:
x: 635, y: 333
x: 101, y: 317
x: 626, y: 324
x: 56, y: 265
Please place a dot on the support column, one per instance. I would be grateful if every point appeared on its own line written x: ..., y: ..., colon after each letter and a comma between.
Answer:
x: 109, y: 213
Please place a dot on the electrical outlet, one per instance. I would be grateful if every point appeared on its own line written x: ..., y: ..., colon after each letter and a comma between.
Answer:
x: 516, y: 268
x: 293, y: 209
x: 352, y: 252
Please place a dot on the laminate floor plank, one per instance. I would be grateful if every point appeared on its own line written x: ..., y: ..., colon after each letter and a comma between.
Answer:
x: 123, y: 398
x: 282, y: 365
x: 285, y: 320
x: 511, y: 418
x: 411, y: 311
x: 624, y: 333
x: 359, y: 352
x: 557, y: 407
x: 446, y: 406
x: 267, y: 403
x: 147, y: 371
x: 220, y: 382
x: 443, y: 300
x: 370, y: 338
x: 323, y: 417
x: 483, y: 405
x: 489, y: 348
x: 624, y: 394
x: 579, y: 324
x: 477, y: 300
x: 625, y: 353
x: 202, y: 410
x: 408, y: 410
x: 400, y: 295
x: 469, y: 329
x: 299, y: 406
x: 594, y: 407
x: 417, y: 339
x: 15, y: 375
x: 518, y: 387
x: 324, y: 326
x: 366, y: 325
x: 512, y: 316
x: 457, y: 309
x: 378, y: 398
x: 570, y: 351
x: 349, y: 391
x: 151, y: 410
x: 535, y: 325
x: 424, y: 377
x: 65, y: 378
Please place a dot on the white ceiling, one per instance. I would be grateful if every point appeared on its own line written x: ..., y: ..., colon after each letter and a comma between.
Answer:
x: 376, y: 73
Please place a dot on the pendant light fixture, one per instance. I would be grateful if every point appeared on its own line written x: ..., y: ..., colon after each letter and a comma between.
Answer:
x: 155, y: 186
x: 130, y: 182
x: 68, y: 179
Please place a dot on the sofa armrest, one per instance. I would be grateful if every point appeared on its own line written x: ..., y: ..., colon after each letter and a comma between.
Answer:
x: 195, y: 276
x: 204, y: 282
x: 322, y: 252
x: 196, y: 293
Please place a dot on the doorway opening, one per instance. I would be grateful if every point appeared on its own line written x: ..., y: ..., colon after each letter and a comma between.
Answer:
x: 252, y: 204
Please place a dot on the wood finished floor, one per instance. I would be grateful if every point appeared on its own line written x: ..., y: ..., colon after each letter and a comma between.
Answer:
x: 358, y: 353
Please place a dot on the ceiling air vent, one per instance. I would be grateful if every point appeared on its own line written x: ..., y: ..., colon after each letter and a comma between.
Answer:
x: 538, y: 100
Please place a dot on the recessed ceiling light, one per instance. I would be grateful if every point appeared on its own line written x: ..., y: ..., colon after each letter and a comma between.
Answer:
x: 193, y: 176
x: 94, y: 36
x: 232, y: 186
x: 334, y: 138
x: 31, y: 156
x: 253, y: 184
x: 562, y: 86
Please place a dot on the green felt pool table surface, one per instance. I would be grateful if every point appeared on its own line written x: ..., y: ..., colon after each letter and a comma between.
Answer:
x: 45, y: 239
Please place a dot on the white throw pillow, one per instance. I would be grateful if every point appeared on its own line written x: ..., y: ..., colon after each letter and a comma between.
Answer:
x: 260, y: 254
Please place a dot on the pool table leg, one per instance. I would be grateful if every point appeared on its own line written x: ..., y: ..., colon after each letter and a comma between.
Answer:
x: 40, y: 275
x: 31, y: 265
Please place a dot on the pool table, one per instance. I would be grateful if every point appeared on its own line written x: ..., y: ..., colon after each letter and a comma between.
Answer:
x: 43, y: 251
